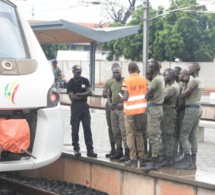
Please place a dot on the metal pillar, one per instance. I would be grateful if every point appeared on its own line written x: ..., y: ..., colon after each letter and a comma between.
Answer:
x: 92, y: 64
x: 145, y: 34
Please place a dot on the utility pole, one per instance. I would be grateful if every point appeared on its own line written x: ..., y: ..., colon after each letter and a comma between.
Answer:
x: 145, y: 34
x: 32, y: 12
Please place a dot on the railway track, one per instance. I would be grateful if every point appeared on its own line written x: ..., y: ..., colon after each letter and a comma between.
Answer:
x: 22, y: 188
x: 11, y: 184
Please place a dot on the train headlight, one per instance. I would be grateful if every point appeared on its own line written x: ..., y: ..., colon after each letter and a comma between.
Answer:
x: 53, y: 97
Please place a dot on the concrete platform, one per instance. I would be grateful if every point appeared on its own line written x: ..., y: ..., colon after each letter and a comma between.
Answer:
x: 199, y: 182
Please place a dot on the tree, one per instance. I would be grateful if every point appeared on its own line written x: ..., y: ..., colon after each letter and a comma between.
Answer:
x: 187, y: 35
x: 51, y: 50
x: 132, y: 47
x: 116, y: 11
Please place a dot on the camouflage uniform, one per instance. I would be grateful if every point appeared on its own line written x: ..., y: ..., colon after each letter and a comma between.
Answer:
x: 180, y: 110
x: 155, y: 113
x: 193, y: 111
x: 108, y: 115
x: 117, y: 114
x: 168, y: 121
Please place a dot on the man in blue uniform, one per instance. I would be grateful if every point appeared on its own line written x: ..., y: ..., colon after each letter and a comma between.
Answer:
x: 79, y: 89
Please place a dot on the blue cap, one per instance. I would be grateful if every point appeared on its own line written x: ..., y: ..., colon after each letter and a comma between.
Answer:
x: 54, y: 61
x: 76, y: 68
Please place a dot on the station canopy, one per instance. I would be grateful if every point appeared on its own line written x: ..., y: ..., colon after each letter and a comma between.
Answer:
x: 62, y: 31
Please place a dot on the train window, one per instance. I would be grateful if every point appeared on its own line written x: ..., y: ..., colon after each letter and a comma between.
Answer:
x: 10, y: 37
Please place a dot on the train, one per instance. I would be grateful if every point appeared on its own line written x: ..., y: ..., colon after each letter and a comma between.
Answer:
x: 27, y: 96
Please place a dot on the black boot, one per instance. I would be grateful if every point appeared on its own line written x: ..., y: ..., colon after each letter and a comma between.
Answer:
x: 166, y: 163
x: 131, y: 163
x: 153, y: 166
x: 161, y: 158
x: 186, y: 163
x: 179, y: 158
x: 125, y: 157
x: 142, y: 162
x: 118, y: 153
x: 112, y: 152
x: 77, y: 153
x: 194, y: 160
x: 91, y: 153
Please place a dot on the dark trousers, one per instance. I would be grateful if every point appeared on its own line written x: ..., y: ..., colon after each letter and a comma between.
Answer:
x: 80, y: 113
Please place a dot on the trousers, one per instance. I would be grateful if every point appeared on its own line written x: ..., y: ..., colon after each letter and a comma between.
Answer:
x: 118, y: 127
x: 179, y: 119
x: 189, y: 130
x: 80, y: 113
x: 154, y: 117
x: 144, y: 128
x: 167, y: 131
x: 133, y: 127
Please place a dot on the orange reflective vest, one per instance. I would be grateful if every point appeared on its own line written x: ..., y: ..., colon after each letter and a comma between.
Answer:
x: 137, y: 87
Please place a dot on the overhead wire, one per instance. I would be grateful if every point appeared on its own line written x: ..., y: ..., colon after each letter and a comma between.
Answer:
x: 45, y: 3
x: 107, y: 1
x: 53, y: 7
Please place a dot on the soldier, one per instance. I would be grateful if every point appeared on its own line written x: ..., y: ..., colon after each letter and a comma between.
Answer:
x: 57, y: 72
x: 177, y: 70
x: 183, y: 79
x: 169, y: 117
x: 117, y: 115
x: 107, y: 111
x: 155, y: 97
x: 178, y: 152
x: 189, y: 131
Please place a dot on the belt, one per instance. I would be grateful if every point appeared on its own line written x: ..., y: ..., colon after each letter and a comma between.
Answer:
x: 153, y: 105
x: 193, y: 106
x: 168, y: 106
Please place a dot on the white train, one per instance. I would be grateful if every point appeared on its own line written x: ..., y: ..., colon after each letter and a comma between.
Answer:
x: 27, y: 93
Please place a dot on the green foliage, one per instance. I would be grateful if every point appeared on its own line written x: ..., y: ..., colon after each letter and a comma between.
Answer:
x: 187, y: 35
x: 51, y: 50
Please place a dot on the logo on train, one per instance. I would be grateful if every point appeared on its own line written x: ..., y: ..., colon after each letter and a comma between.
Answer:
x: 10, y: 91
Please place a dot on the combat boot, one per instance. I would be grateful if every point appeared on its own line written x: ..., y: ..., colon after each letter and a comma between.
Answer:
x: 91, y: 153
x: 166, y: 163
x: 77, y: 153
x: 118, y: 153
x: 161, y: 158
x: 112, y: 152
x: 153, y: 166
x: 194, y: 160
x: 142, y: 162
x: 179, y: 157
x: 186, y: 163
x: 131, y: 163
x: 125, y: 157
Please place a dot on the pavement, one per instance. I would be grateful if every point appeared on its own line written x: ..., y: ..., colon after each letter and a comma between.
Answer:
x: 205, y: 156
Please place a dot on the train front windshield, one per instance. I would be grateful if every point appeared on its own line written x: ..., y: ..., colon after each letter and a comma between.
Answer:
x: 11, y: 42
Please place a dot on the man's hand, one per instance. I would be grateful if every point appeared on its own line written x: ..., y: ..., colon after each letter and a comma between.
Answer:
x: 119, y: 106
x: 112, y: 106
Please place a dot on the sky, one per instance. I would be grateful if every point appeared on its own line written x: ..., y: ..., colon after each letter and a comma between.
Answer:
x: 76, y: 10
